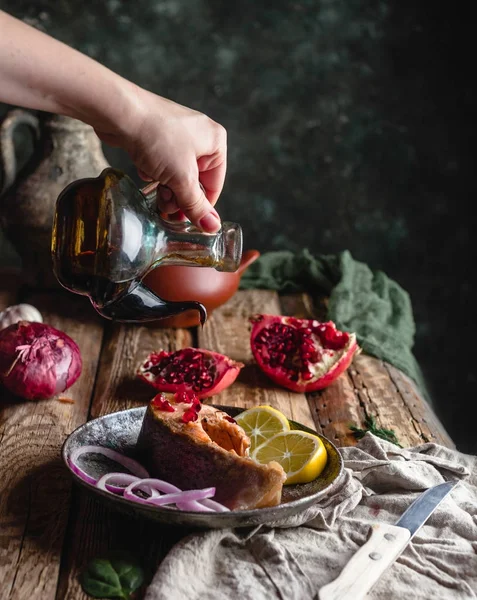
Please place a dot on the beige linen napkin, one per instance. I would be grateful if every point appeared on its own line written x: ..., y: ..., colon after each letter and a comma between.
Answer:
x: 294, y: 558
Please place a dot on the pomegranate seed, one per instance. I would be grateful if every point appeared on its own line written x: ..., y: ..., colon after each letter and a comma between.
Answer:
x: 161, y: 403
x: 189, y: 415
x: 192, y: 413
x: 185, y: 397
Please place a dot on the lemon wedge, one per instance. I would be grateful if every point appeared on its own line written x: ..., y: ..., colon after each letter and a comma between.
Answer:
x: 261, y: 423
x: 302, y: 455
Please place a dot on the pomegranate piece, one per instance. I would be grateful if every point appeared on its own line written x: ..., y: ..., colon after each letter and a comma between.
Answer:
x: 189, y: 371
x: 301, y: 355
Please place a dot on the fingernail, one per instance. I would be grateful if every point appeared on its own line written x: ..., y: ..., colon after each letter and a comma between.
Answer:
x: 165, y: 193
x: 211, y: 222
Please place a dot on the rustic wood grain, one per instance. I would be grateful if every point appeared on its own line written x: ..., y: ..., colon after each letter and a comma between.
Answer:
x: 368, y: 388
x: 125, y: 347
x: 422, y: 417
x: 228, y: 332
x: 93, y: 529
x: 35, y: 487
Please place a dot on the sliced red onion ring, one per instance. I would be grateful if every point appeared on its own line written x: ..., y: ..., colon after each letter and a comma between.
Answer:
x: 152, y: 486
x: 156, y: 484
x: 120, y: 481
x: 129, y: 463
x: 81, y: 474
x: 186, y: 496
x: 194, y: 507
x: 161, y: 493
x: 125, y: 461
x: 168, y: 488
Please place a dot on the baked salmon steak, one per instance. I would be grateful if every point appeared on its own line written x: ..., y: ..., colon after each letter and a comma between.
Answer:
x: 194, y: 446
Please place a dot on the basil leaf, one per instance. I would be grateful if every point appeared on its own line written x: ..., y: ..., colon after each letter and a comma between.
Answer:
x: 130, y: 576
x: 103, y: 578
x: 100, y: 580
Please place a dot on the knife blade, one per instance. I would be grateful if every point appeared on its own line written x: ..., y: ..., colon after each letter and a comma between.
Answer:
x: 383, y: 547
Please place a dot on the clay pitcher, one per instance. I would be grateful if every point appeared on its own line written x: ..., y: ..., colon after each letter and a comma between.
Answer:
x: 208, y: 286
x: 65, y: 150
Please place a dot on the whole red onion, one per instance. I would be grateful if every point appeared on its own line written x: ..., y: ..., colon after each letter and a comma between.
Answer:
x: 37, y: 361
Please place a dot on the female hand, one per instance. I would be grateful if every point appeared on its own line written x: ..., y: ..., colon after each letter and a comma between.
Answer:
x: 182, y: 149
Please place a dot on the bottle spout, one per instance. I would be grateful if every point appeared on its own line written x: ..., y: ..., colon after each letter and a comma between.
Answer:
x: 140, y: 305
x: 231, y: 247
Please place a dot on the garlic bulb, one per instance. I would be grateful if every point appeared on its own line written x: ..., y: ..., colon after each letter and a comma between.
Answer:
x: 19, y: 312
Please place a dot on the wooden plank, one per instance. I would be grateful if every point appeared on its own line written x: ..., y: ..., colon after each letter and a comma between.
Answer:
x: 228, y: 332
x: 34, y: 487
x: 125, y: 347
x: 93, y: 529
x: 337, y: 407
x: 369, y: 387
x: 423, y: 419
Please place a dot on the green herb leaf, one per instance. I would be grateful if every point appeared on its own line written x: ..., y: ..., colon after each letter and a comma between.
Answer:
x: 131, y: 576
x: 372, y: 427
x: 104, y: 578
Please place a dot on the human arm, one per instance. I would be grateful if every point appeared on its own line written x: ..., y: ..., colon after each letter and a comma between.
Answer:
x: 167, y: 142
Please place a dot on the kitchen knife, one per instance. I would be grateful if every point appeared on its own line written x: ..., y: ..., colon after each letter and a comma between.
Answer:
x: 383, y: 547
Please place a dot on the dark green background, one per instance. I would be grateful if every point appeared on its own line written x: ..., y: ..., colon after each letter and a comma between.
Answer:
x: 349, y: 126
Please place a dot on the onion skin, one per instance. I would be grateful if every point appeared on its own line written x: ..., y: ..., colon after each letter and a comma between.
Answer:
x: 38, y: 361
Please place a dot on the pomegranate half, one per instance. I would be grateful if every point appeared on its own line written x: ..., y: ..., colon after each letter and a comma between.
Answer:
x: 203, y: 372
x: 301, y: 355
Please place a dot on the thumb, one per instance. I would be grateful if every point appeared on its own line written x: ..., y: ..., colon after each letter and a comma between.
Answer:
x: 193, y: 202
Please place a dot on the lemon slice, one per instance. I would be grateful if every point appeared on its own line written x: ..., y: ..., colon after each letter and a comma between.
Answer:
x: 261, y: 423
x: 302, y: 455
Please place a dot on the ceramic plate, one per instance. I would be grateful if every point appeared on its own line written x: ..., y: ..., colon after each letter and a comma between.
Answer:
x: 120, y: 431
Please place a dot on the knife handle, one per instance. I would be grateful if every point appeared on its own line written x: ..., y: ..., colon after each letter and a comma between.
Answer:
x: 366, y: 566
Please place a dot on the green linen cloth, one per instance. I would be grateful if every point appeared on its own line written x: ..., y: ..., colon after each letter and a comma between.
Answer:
x: 367, y: 302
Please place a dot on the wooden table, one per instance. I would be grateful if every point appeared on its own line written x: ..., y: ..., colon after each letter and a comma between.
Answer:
x: 50, y: 529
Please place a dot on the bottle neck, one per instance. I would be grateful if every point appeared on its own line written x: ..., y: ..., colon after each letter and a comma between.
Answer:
x: 181, y: 243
